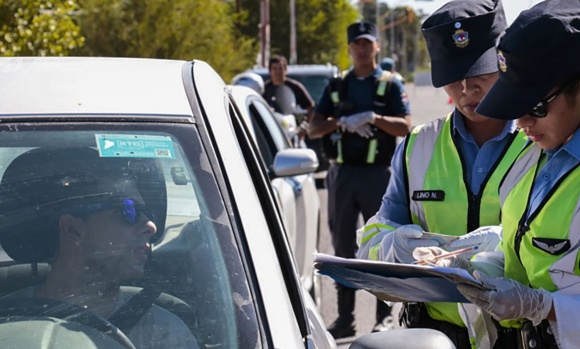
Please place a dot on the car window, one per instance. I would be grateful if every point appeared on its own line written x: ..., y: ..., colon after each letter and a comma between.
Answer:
x: 314, y: 84
x: 270, y: 136
x: 92, y: 216
x: 277, y: 134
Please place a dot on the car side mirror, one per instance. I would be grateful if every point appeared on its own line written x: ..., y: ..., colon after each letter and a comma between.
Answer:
x: 292, y: 162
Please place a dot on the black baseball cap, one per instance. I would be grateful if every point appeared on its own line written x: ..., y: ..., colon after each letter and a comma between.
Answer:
x: 362, y: 30
x: 461, y: 37
x: 540, y: 50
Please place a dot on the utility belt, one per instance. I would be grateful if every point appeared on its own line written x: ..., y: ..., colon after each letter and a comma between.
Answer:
x: 526, y: 337
x: 415, y: 315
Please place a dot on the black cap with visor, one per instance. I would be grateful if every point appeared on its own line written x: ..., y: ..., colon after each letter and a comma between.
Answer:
x: 537, y: 53
x: 461, y: 38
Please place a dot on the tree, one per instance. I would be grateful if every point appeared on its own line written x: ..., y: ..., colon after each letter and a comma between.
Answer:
x: 171, y: 29
x: 320, y: 28
x: 409, y: 47
x: 39, y: 28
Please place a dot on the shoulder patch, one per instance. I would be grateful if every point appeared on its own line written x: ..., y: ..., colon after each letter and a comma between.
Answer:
x: 552, y: 246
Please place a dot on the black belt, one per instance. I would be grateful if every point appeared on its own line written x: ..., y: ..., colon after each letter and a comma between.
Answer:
x: 528, y: 337
x: 334, y: 162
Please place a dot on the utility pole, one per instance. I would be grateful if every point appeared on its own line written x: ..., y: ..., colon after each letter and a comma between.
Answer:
x: 378, y: 26
x: 293, y: 56
x: 264, y: 32
x: 392, y: 32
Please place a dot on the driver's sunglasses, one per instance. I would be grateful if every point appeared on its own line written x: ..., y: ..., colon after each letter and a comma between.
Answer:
x: 130, y: 209
x: 541, y: 109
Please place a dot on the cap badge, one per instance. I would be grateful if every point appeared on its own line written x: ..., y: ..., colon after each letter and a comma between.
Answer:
x: 457, y: 25
x: 460, y: 37
x: 362, y: 27
x: 501, y: 62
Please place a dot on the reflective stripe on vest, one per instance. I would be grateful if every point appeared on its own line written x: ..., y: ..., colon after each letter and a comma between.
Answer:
x: 369, y: 231
x: 434, y: 159
x: 549, y: 251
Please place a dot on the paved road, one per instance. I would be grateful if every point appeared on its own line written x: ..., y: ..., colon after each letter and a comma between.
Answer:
x: 427, y: 103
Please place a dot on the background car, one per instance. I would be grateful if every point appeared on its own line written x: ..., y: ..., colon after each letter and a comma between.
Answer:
x: 314, y: 77
x: 220, y: 260
x: 297, y: 195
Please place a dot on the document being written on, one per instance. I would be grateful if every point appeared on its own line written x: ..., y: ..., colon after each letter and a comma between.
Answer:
x: 397, y: 282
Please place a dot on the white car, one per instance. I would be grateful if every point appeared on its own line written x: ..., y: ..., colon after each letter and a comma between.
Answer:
x: 296, y: 194
x: 156, y: 151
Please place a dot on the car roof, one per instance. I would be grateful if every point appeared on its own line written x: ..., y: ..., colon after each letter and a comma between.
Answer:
x: 304, y: 69
x: 59, y: 85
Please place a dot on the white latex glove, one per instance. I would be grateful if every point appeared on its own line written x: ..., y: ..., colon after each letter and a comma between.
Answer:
x: 485, y: 238
x: 508, y: 299
x: 354, y: 121
x: 401, y: 243
x: 341, y: 124
x: 364, y: 131
x: 428, y: 255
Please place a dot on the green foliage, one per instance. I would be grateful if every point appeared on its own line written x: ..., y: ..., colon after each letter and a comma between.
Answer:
x: 320, y: 28
x: 38, y: 28
x: 170, y: 29
x: 224, y: 33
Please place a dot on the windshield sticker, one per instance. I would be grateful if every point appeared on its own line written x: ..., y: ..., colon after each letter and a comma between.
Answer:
x: 134, y: 146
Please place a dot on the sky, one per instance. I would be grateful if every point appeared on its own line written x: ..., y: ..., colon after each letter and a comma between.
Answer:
x: 511, y: 7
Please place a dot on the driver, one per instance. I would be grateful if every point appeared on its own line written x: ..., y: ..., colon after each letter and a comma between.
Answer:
x: 93, y: 227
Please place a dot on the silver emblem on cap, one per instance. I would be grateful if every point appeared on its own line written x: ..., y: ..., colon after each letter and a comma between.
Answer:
x: 361, y: 27
x: 457, y: 25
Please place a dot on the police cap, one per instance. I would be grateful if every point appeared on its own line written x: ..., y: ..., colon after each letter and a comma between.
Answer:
x: 362, y: 30
x: 461, y: 38
x: 537, y: 52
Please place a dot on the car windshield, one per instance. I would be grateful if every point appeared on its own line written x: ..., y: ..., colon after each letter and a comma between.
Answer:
x: 91, y: 216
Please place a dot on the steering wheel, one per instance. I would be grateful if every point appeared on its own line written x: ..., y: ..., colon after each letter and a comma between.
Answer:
x: 35, y: 307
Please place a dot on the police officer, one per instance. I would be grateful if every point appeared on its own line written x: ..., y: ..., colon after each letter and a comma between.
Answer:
x: 539, y: 294
x: 388, y: 64
x: 446, y: 173
x: 359, y: 117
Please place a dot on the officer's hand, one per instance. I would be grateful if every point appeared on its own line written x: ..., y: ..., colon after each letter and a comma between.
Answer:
x: 401, y: 243
x: 485, y: 238
x: 429, y: 255
x: 507, y: 299
x: 364, y: 131
x: 341, y: 124
x: 353, y: 122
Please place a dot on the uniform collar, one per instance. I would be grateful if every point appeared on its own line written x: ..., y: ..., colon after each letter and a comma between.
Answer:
x: 459, y: 128
x: 572, y: 147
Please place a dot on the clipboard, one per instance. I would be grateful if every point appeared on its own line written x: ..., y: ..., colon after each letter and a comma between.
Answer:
x: 397, y: 282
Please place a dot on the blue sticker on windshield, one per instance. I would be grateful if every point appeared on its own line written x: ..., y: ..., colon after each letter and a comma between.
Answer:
x: 134, y: 146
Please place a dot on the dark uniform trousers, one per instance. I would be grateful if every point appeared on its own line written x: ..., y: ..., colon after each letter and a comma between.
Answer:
x: 353, y: 190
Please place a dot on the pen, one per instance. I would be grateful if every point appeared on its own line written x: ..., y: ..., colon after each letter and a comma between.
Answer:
x: 454, y: 253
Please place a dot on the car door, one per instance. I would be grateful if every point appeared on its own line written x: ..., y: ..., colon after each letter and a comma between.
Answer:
x: 297, y: 194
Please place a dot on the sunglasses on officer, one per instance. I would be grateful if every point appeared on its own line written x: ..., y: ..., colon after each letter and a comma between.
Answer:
x: 540, y: 110
x: 130, y: 209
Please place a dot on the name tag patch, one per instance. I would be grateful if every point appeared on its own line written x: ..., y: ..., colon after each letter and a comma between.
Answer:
x: 428, y: 195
